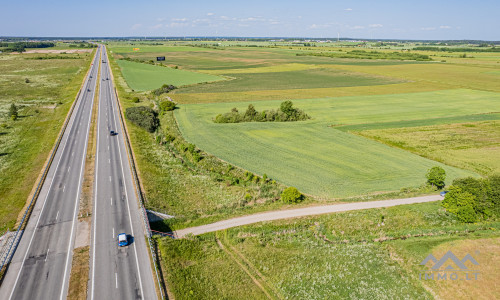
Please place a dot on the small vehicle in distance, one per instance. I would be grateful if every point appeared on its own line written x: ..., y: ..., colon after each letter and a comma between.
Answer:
x: 122, y: 240
x: 112, y: 132
x: 443, y: 193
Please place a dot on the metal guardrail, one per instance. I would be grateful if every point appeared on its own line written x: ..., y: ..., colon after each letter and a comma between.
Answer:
x: 19, y: 232
x: 139, y: 193
x: 164, y: 234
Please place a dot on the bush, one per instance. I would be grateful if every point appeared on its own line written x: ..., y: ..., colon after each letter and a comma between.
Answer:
x: 436, y: 176
x: 144, y: 117
x: 460, y: 203
x: 136, y: 100
x: 291, y: 195
x: 167, y: 106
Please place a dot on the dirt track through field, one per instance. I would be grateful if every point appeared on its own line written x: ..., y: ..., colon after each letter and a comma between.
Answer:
x: 300, y: 212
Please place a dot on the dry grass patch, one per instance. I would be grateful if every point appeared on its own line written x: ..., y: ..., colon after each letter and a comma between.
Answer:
x: 485, y: 251
x: 79, y: 274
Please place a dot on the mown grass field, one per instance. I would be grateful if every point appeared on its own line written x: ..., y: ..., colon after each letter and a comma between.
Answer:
x: 143, y: 77
x: 368, y: 254
x: 43, y: 104
x: 323, y: 161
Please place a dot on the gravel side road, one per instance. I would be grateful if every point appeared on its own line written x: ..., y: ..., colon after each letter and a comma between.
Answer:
x: 300, y: 212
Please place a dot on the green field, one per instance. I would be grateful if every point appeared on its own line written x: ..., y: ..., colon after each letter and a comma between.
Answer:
x: 120, y: 49
x: 144, y: 77
x: 297, y: 79
x: 472, y: 146
x: 323, y: 161
x: 43, y: 103
x: 366, y: 254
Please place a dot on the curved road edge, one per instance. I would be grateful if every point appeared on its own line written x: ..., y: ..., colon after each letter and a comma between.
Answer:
x: 300, y: 212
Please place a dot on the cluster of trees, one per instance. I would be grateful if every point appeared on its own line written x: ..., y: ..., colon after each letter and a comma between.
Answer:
x: 474, y: 199
x: 163, y: 89
x: 21, y: 46
x: 286, y: 113
x: 143, y: 116
x: 83, y: 45
x: 362, y: 54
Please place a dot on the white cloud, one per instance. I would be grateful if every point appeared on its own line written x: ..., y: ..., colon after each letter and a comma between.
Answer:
x: 136, y: 26
x: 157, y: 26
x: 179, y: 20
x: 251, y: 19
x: 319, y: 26
x: 445, y: 27
x: 348, y: 9
x: 210, y: 14
x: 428, y: 28
x: 375, y: 25
x: 161, y: 19
x: 176, y: 24
x: 358, y: 27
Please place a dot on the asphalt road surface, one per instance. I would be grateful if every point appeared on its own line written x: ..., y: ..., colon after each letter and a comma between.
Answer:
x: 300, y: 212
x: 41, y: 266
x: 116, y: 272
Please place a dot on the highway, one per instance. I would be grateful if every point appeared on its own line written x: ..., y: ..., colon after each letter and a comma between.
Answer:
x: 41, y: 266
x: 116, y: 272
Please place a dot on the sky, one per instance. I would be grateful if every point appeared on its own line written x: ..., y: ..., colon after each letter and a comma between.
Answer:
x: 377, y: 19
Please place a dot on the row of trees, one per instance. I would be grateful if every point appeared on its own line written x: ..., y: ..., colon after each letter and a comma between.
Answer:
x: 286, y: 113
x: 21, y: 46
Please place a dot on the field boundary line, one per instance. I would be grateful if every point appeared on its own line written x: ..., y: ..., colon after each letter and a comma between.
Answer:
x: 41, y: 180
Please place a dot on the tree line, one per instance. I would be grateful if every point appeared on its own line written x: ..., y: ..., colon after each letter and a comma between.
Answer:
x: 451, y: 49
x: 21, y: 46
x: 285, y: 113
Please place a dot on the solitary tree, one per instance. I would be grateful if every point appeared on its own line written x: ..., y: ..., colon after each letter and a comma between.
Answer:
x: 436, y: 176
x: 13, y: 112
